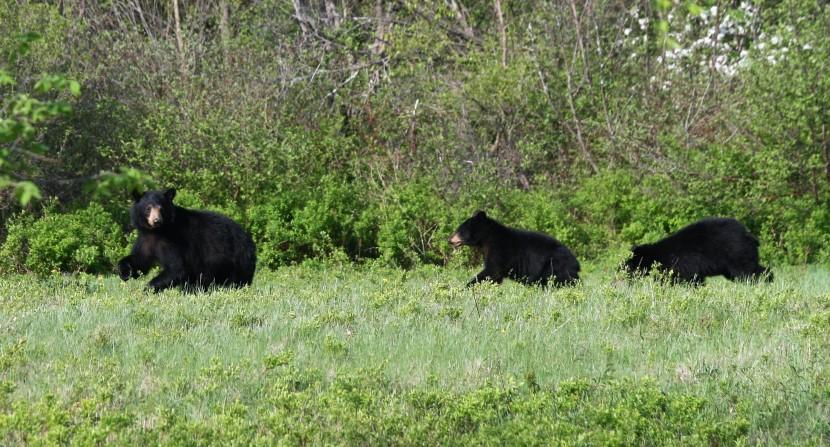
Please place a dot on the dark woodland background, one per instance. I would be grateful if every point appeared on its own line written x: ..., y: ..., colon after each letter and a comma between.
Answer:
x: 370, y: 129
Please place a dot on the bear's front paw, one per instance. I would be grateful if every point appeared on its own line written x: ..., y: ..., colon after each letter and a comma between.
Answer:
x: 125, y: 270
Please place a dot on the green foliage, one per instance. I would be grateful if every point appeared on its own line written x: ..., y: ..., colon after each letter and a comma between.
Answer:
x: 415, y: 222
x: 346, y: 137
x: 332, y: 218
x: 270, y: 225
x: 543, y: 210
x: 129, y: 180
x: 315, y: 354
x: 612, y: 413
x: 294, y: 225
x: 21, y: 116
x: 86, y: 240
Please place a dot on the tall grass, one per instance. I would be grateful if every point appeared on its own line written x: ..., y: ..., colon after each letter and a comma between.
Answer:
x: 373, y: 355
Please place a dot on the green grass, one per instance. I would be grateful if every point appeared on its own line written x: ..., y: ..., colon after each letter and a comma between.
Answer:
x: 347, y: 355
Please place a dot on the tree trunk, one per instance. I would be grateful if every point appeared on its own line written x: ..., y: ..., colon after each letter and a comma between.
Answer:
x: 461, y: 17
x: 302, y: 18
x: 179, y: 42
x: 583, y: 146
x: 332, y: 17
x: 378, y: 47
x: 579, y: 40
x: 502, y: 32
x: 224, y: 31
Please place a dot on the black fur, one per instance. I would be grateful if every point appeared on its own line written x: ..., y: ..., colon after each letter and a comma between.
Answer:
x: 709, y: 247
x: 524, y: 256
x: 195, y: 249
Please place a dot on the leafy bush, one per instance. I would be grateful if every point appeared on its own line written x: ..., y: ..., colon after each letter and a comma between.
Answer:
x: 270, y: 226
x: 415, y: 222
x: 340, y: 142
x: 611, y: 412
x: 20, y: 116
x: 86, y: 240
x: 545, y: 211
x: 334, y: 217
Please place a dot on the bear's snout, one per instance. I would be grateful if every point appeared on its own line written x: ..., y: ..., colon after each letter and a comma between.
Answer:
x: 154, y: 218
x: 455, y: 240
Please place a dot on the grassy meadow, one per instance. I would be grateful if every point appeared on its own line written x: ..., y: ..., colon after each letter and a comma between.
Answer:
x: 329, y: 354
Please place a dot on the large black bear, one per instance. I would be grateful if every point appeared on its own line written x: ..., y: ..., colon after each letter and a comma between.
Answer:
x: 195, y: 249
x: 709, y: 247
x: 524, y: 256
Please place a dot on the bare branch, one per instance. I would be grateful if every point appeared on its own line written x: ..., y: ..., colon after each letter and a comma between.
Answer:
x: 179, y: 42
x: 461, y: 16
x: 502, y: 32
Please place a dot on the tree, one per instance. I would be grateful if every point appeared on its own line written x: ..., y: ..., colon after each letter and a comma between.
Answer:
x: 21, y: 114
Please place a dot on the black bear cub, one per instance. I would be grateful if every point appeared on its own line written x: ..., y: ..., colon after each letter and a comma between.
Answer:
x: 195, y: 249
x: 524, y: 256
x: 709, y: 247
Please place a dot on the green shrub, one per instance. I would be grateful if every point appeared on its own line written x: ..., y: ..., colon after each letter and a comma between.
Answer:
x: 414, y: 225
x: 86, y: 240
x: 270, y: 226
x: 334, y: 217
x: 542, y: 210
x: 295, y: 410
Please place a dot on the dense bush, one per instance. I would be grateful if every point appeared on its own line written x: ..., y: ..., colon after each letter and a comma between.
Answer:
x: 334, y: 128
x: 88, y: 240
x: 415, y: 223
x: 333, y: 217
x: 301, y: 409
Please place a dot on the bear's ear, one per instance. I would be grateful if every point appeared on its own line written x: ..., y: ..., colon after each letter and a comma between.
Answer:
x: 480, y: 213
x: 170, y: 194
x: 136, y: 195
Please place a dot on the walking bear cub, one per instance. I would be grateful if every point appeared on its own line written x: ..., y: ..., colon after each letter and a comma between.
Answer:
x: 523, y: 256
x: 195, y: 249
x: 709, y: 247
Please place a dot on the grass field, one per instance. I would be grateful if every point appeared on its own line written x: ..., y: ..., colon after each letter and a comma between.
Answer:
x: 359, y: 355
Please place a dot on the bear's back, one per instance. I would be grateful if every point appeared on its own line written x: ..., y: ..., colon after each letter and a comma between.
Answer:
x: 713, y: 234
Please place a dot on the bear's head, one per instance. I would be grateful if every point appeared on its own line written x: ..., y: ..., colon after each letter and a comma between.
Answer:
x: 640, y: 261
x: 472, y: 231
x: 153, y: 209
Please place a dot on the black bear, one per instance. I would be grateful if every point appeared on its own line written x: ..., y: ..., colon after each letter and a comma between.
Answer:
x: 524, y: 256
x: 195, y: 249
x: 709, y: 247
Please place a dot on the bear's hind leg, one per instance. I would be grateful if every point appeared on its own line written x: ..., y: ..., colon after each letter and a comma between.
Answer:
x: 756, y: 274
x: 173, y: 272
x: 167, y: 279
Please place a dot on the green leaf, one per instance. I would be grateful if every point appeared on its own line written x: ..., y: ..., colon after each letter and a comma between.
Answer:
x: 26, y: 191
x: 663, y: 5
x: 25, y: 41
x: 75, y: 88
x: 44, y: 84
x: 694, y: 9
x: 31, y: 36
x: 6, y: 78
